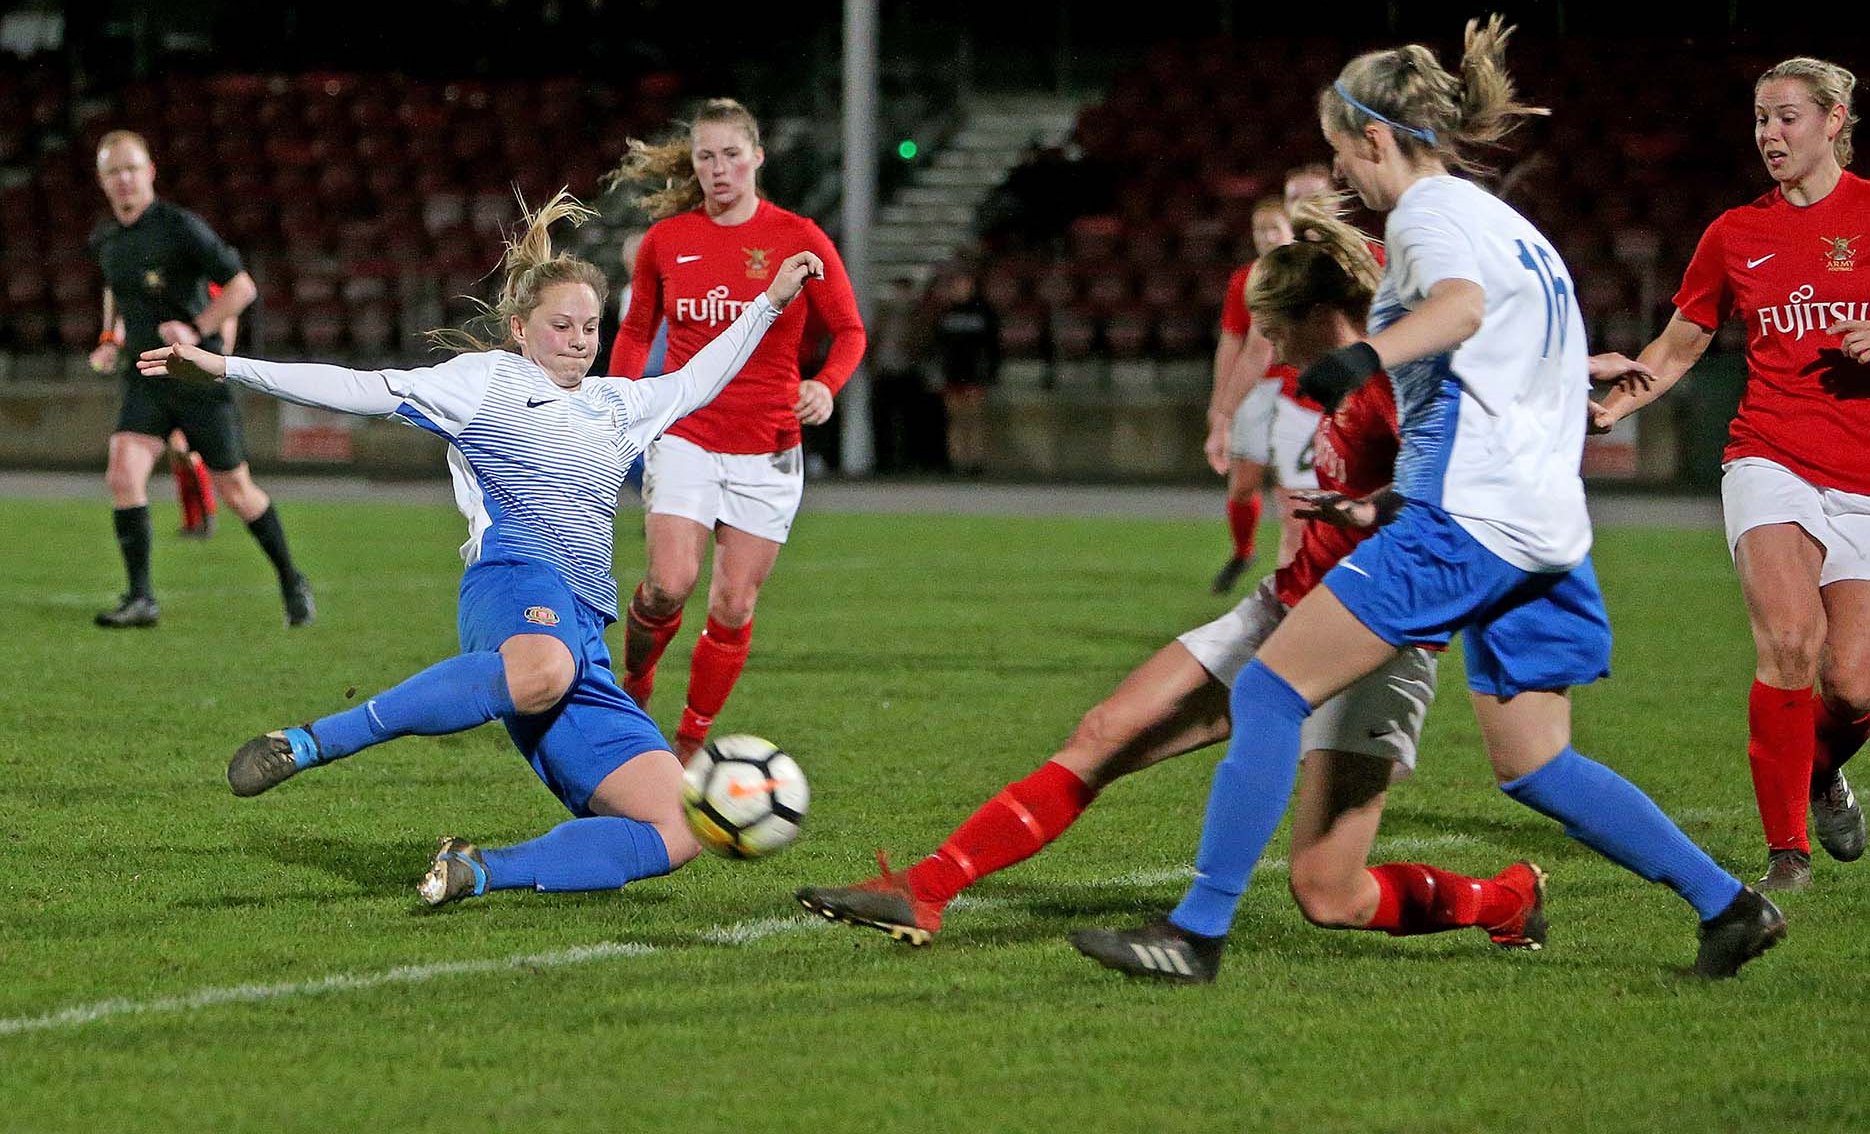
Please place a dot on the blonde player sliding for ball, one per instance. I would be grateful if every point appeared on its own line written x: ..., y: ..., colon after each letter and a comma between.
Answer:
x: 1308, y: 297
x: 1476, y: 326
x: 538, y: 453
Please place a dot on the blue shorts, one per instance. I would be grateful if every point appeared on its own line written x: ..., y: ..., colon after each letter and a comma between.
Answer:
x: 596, y: 728
x: 1422, y: 577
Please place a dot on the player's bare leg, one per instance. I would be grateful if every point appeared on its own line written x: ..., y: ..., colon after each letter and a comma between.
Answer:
x: 1165, y: 707
x: 742, y: 562
x: 132, y: 459
x: 675, y: 547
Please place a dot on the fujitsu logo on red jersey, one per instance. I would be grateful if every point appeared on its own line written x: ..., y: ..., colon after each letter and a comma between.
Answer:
x: 711, y: 308
x: 1799, y: 315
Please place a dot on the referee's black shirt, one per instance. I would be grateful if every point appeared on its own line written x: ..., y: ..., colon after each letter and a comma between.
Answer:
x: 159, y: 268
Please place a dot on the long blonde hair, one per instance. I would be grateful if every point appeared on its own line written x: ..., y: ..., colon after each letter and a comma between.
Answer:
x: 1429, y: 109
x: 1830, y: 84
x: 530, y: 266
x: 1329, y: 263
x: 667, y: 167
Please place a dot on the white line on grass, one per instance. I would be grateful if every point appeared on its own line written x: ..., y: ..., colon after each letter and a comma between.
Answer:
x: 337, y: 982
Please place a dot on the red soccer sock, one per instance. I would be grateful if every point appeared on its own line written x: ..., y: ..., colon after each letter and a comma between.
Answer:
x: 1415, y: 898
x: 187, y: 489
x: 644, y: 639
x: 1243, y: 520
x: 1781, y: 739
x: 204, y: 484
x: 720, y: 655
x: 1836, y: 738
x: 1011, y: 827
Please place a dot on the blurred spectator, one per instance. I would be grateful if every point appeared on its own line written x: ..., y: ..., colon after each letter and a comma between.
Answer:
x: 1043, y: 194
x: 967, y: 340
x: 900, y: 408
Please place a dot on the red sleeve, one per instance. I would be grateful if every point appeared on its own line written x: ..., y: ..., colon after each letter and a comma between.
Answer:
x: 631, y: 350
x: 1235, y: 319
x: 1705, y: 299
x: 834, y: 304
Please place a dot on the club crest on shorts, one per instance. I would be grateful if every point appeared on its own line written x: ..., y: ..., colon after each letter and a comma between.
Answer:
x: 542, y: 615
x: 756, y: 262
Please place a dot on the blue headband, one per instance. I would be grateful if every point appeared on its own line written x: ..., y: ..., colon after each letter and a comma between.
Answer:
x: 1423, y: 133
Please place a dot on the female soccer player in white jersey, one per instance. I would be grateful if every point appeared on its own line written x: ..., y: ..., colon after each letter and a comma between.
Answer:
x: 1308, y: 297
x: 1476, y: 326
x: 538, y: 452
x: 1795, y: 487
x: 731, y: 475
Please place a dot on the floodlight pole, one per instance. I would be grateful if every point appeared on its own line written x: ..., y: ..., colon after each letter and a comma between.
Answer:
x: 860, y: 191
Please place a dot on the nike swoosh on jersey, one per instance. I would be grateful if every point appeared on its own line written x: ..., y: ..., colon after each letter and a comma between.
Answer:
x: 535, y: 403
x: 687, y: 259
x: 1761, y: 260
x: 1349, y: 566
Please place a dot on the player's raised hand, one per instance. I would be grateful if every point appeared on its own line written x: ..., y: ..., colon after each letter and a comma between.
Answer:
x: 176, y: 331
x: 190, y: 363
x: 790, y: 279
x: 814, y: 406
x: 1625, y: 371
x: 1854, y: 336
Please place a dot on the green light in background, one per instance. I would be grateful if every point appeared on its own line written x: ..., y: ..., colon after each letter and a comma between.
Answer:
x: 907, y: 149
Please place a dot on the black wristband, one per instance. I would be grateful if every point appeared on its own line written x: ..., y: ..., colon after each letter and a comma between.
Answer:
x: 1329, y: 380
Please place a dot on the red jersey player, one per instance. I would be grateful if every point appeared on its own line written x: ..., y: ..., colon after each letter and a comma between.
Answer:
x: 1311, y: 297
x: 1795, y: 488
x: 732, y: 472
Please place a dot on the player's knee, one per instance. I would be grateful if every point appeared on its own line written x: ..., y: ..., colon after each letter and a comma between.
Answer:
x: 659, y: 597
x: 1097, y: 737
x: 679, y: 842
x: 539, y: 679
x: 1323, y: 898
x: 1789, y: 654
x: 733, y: 606
x: 1846, y: 680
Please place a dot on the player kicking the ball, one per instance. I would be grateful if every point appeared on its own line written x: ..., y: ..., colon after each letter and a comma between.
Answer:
x: 1309, y: 297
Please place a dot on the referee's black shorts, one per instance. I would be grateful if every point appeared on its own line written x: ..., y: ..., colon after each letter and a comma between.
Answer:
x: 206, y: 416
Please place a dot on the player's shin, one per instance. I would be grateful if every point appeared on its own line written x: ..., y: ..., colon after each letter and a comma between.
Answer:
x: 1837, y: 737
x: 450, y: 696
x: 1613, y: 817
x: 1251, y: 788
x: 720, y: 654
x: 645, y: 636
x: 601, y: 852
x: 1780, y: 741
x: 1009, y: 828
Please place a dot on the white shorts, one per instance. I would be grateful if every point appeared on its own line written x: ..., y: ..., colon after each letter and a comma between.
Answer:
x: 1380, y: 716
x: 1756, y: 491
x: 1295, y: 435
x: 755, y: 492
x: 1250, y: 434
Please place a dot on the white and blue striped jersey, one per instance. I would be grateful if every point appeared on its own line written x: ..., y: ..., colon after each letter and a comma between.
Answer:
x: 1492, y: 432
x: 536, y: 467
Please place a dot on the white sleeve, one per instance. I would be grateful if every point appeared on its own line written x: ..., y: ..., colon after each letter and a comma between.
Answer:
x: 656, y: 403
x: 1425, y: 247
x: 443, y: 398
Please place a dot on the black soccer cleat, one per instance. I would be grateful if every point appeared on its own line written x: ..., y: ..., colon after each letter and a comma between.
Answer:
x: 1161, y: 950
x: 1749, y: 926
x: 1786, y: 870
x: 1228, y: 575
x: 271, y: 759
x: 300, y: 609
x: 1837, y: 818
x: 132, y: 610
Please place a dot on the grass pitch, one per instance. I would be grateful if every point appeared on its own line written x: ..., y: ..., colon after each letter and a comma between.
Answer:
x: 174, y: 958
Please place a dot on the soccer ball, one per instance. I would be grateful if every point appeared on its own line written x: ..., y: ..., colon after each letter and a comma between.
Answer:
x: 744, y: 797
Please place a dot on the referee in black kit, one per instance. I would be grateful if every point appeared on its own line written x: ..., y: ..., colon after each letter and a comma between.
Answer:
x: 158, y: 261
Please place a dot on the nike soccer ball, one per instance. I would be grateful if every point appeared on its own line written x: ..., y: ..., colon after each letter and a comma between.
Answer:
x: 744, y: 796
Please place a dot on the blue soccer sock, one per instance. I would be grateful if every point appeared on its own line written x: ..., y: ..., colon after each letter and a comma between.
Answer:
x: 1613, y: 817
x: 450, y: 696
x: 1251, y: 789
x: 598, y: 853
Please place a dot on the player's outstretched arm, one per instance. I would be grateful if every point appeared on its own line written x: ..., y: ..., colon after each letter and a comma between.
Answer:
x: 315, y: 384
x: 1662, y: 364
x: 659, y: 401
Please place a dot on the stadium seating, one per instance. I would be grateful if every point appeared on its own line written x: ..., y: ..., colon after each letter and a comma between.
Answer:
x: 390, y: 188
